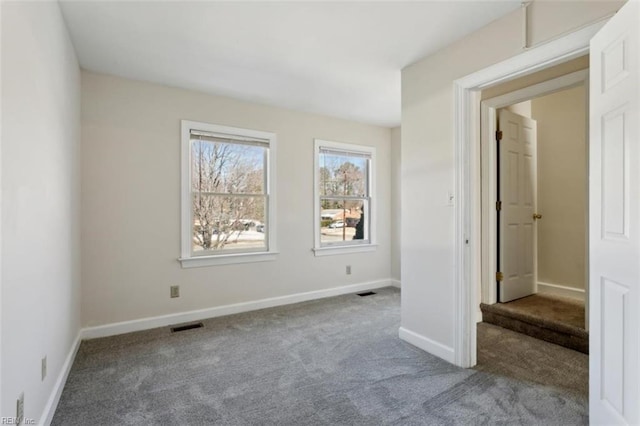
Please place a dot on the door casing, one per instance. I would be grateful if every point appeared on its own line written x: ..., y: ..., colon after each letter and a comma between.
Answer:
x: 468, y: 189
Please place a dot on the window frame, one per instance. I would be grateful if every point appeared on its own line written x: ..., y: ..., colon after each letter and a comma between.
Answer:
x: 354, y: 246
x: 190, y: 260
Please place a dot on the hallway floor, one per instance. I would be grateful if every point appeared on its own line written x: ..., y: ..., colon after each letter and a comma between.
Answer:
x: 515, y: 355
x: 554, y: 319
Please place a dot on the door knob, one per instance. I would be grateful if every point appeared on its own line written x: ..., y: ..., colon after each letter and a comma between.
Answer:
x: 537, y: 216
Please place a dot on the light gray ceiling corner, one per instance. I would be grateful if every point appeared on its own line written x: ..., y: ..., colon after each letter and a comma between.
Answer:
x: 341, y: 59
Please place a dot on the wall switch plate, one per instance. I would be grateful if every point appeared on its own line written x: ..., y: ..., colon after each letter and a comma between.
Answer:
x: 44, y: 367
x: 20, y: 409
x: 348, y: 269
x: 450, y: 198
x: 175, y: 291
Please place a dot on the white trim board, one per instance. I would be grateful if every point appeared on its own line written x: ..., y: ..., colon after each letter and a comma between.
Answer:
x: 218, y: 311
x: 396, y: 283
x: 561, y: 290
x: 427, y: 345
x: 56, y: 392
x: 468, y: 247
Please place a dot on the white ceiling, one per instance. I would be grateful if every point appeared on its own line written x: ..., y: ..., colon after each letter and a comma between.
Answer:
x: 340, y: 59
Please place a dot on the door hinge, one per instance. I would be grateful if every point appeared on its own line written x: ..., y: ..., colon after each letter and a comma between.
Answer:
x: 498, y: 205
x: 499, y: 276
x: 498, y: 135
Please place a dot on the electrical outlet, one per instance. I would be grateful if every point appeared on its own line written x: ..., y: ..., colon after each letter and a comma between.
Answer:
x: 175, y: 291
x: 348, y: 269
x: 20, y: 409
x: 44, y: 367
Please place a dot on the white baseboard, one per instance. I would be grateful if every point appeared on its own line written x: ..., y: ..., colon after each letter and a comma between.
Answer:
x: 395, y: 283
x: 54, y: 398
x: 197, y: 315
x: 427, y: 345
x: 560, y: 290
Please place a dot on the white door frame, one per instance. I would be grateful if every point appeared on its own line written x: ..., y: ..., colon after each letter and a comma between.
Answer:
x: 488, y: 114
x: 468, y: 226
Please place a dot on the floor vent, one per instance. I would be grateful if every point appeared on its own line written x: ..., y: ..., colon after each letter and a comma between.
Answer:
x: 186, y: 327
x: 366, y: 293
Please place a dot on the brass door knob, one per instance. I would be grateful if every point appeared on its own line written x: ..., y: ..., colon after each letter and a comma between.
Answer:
x: 537, y: 216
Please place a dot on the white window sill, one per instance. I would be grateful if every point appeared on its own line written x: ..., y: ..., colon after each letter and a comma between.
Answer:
x: 227, y: 259
x: 331, y: 251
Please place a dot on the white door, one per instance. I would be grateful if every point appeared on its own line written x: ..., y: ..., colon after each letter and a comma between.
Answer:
x: 614, y: 194
x: 517, y: 189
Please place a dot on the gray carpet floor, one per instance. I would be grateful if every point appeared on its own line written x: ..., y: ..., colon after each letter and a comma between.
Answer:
x: 335, y: 361
x: 516, y: 355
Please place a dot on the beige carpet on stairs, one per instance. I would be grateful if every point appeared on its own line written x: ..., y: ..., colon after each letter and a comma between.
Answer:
x: 555, y: 319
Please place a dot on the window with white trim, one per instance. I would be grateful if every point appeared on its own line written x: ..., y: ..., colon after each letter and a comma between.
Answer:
x: 227, y: 195
x: 344, y: 202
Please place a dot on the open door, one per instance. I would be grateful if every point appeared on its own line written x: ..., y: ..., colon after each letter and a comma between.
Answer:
x: 614, y: 209
x: 517, y: 206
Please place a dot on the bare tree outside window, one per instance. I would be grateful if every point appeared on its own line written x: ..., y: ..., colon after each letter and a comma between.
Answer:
x: 228, y: 195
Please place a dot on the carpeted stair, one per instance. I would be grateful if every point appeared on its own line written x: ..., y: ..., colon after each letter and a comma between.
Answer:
x: 554, y: 319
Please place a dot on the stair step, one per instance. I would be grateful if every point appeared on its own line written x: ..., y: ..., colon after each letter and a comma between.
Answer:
x: 548, y: 329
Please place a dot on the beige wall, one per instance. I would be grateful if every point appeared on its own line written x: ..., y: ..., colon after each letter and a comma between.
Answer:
x: 40, y: 166
x: 562, y: 186
x: 549, y: 19
x: 395, y: 203
x: 131, y: 203
x: 428, y: 260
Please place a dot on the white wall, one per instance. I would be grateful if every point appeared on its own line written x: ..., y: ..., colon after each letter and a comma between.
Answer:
x: 40, y: 202
x: 562, y: 186
x: 131, y: 203
x: 395, y: 203
x: 428, y: 160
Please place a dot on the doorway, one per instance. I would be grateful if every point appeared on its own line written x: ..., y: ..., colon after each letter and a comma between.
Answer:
x: 613, y: 207
x: 470, y: 249
x: 557, y: 206
x: 535, y: 202
x: 539, y: 334
x: 521, y: 101
x: 535, y: 208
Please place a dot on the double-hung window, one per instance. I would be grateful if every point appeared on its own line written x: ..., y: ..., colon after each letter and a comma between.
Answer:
x: 227, y: 195
x: 344, y: 198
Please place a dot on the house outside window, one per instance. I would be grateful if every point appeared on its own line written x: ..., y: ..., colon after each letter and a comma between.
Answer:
x: 227, y: 195
x: 344, y: 208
